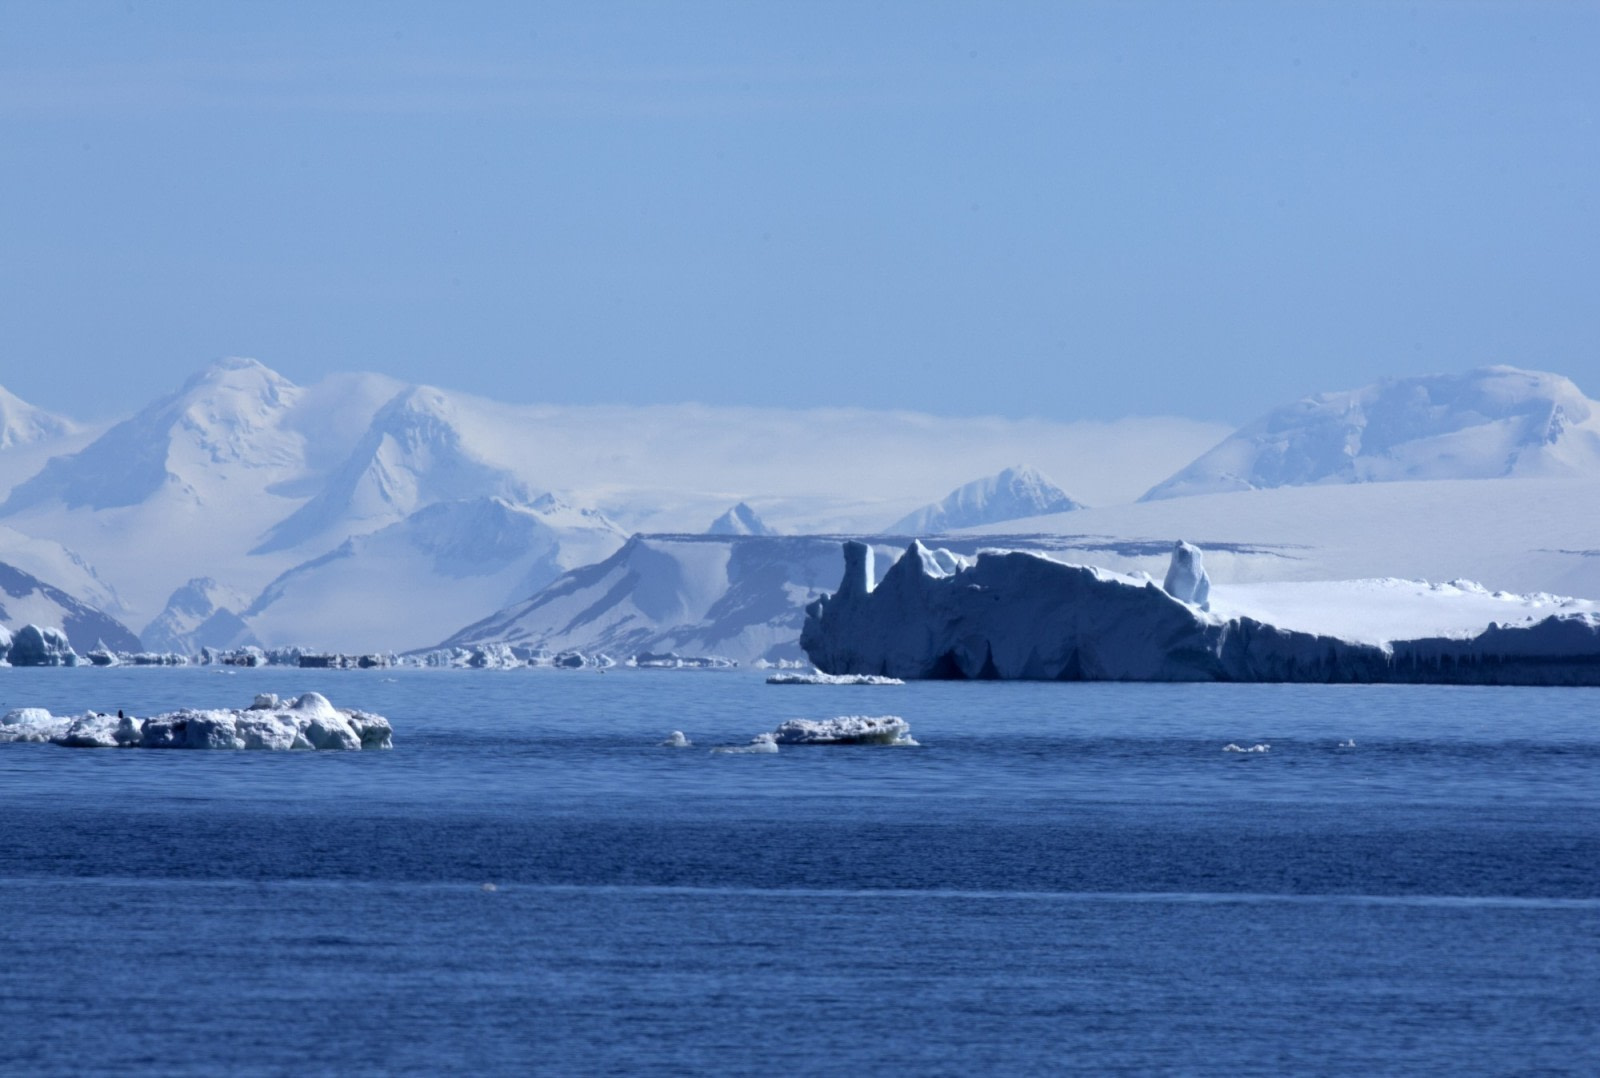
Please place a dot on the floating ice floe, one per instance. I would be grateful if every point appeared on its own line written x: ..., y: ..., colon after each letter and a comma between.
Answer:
x: 308, y: 721
x: 817, y: 677
x: 846, y: 730
x: 1230, y: 747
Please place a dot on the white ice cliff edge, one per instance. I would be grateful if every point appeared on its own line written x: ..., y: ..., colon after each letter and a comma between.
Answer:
x: 1013, y: 614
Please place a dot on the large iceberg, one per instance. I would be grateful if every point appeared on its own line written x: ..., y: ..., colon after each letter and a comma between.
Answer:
x: 308, y: 721
x: 1013, y: 614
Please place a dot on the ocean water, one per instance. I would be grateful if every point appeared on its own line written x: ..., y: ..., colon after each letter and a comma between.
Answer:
x: 1061, y: 878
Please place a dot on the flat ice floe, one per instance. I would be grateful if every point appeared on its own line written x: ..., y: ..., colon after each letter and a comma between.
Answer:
x: 844, y: 730
x: 308, y: 721
x: 817, y: 677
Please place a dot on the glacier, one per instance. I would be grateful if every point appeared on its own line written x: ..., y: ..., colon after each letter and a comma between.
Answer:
x: 1023, y: 615
x: 308, y: 721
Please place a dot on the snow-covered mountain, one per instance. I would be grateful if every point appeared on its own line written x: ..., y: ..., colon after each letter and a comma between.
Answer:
x: 189, y: 484
x: 22, y: 424
x: 201, y: 614
x: 415, y: 452
x: 224, y: 421
x: 742, y: 597
x: 740, y: 520
x: 448, y: 563
x: 1486, y: 423
x: 1013, y: 494
x: 27, y: 600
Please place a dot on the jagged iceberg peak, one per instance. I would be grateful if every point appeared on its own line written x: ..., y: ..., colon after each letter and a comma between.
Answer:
x: 740, y: 520
x: 1012, y: 494
x: 227, y: 415
x: 1485, y: 423
x: 24, y: 424
x: 1186, y: 578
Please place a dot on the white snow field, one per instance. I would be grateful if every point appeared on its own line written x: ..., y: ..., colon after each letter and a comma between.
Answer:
x: 308, y: 721
x: 1023, y: 615
x: 1486, y: 423
x: 1522, y: 535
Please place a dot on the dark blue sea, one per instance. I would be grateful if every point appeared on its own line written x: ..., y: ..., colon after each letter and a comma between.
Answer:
x: 1061, y: 878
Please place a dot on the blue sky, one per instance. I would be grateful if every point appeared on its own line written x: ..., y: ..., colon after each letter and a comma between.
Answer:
x: 1063, y: 210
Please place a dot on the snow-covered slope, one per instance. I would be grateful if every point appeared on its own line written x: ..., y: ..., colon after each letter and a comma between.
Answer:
x: 201, y: 614
x: 22, y: 424
x: 223, y: 422
x: 1013, y: 494
x: 416, y: 452
x: 1486, y: 423
x: 741, y: 597
x: 188, y: 485
x: 49, y: 560
x: 1023, y: 615
x: 405, y: 585
x: 27, y: 600
x: 740, y: 520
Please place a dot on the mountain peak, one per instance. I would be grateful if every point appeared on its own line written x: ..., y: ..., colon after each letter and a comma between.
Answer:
x: 414, y: 453
x: 1012, y: 494
x: 228, y: 414
x: 23, y: 424
x: 740, y: 520
x: 1480, y: 424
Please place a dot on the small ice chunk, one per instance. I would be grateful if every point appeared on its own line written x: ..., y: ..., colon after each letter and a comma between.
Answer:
x: 817, y: 677
x: 761, y: 743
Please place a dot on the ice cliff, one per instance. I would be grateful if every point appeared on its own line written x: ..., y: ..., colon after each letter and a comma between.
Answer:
x: 1012, y: 614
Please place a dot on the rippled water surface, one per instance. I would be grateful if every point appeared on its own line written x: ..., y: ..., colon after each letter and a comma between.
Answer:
x: 1061, y: 877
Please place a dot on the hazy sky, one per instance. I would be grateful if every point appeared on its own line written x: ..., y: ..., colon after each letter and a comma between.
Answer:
x: 1062, y: 209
